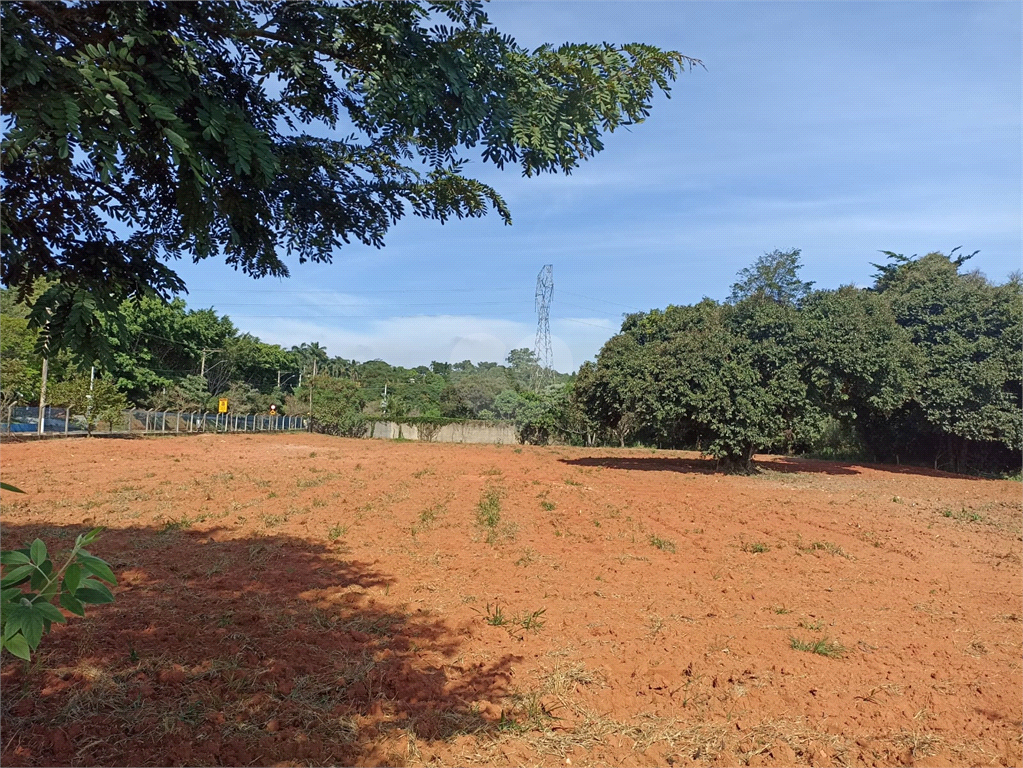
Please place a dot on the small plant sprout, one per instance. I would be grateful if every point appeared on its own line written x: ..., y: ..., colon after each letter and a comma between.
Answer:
x: 756, y: 548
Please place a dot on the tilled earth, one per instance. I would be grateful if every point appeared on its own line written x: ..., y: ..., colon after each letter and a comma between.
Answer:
x: 307, y: 600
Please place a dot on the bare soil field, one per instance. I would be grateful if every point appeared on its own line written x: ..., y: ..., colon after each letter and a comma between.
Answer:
x: 307, y: 600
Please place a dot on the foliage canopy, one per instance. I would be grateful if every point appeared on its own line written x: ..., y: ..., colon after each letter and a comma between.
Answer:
x: 142, y: 132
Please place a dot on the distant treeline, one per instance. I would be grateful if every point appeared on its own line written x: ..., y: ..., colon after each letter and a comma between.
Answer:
x: 923, y: 367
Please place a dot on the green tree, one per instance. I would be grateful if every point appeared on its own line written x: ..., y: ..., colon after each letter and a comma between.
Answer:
x: 774, y: 276
x: 336, y: 405
x: 145, y: 131
x: 97, y: 400
x: 968, y: 334
x: 862, y: 363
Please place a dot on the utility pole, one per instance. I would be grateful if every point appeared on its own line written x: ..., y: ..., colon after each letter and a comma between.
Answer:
x: 42, y: 397
x: 202, y: 368
x: 311, y: 396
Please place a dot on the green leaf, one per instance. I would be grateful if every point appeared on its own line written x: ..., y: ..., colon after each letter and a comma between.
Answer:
x: 72, y: 577
x: 97, y: 567
x: 12, y: 621
x: 32, y: 627
x: 41, y: 575
x: 38, y: 552
x: 87, y: 538
x: 18, y: 646
x: 14, y: 557
x: 69, y: 602
x: 12, y: 594
x: 50, y: 612
x: 9, y: 487
x: 17, y: 575
x: 94, y: 593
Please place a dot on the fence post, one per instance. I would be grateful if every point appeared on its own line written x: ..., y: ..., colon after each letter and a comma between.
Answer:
x: 67, y: 418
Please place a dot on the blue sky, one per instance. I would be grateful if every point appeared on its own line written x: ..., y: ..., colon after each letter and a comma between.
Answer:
x: 840, y: 128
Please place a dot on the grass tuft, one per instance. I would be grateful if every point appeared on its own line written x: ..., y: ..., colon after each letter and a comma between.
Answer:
x: 665, y: 545
x: 822, y: 647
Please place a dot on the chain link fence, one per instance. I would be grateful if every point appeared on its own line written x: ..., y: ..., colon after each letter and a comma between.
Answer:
x: 60, y: 421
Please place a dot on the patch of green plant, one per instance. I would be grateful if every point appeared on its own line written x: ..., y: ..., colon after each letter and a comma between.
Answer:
x: 781, y: 610
x: 488, y: 513
x: 822, y: 647
x: 570, y: 481
x: 271, y: 521
x: 495, y: 616
x: 755, y: 548
x: 830, y: 548
x: 25, y: 616
x: 531, y: 621
x: 665, y: 545
x: 548, y: 506
x: 813, y: 626
x: 178, y: 525
x: 337, y: 531
x: 964, y: 515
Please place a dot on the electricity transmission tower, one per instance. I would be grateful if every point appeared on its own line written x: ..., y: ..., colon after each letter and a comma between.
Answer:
x: 544, y: 355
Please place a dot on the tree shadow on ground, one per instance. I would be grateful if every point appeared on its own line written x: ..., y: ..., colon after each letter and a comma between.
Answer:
x: 257, y: 650
x: 794, y: 465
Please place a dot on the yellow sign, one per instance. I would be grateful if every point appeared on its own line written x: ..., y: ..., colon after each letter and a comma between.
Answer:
x: 223, y: 405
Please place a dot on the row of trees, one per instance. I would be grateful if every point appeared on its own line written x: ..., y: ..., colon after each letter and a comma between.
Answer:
x: 923, y: 367
x: 167, y: 357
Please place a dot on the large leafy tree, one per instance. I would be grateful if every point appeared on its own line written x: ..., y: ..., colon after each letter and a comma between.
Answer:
x: 267, y: 132
x: 969, y: 387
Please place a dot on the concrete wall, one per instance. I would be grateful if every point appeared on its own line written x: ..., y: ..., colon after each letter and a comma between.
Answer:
x: 462, y: 432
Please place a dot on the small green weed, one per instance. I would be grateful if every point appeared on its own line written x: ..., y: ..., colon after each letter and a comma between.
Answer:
x: 756, y: 548
x: 781, y: 610
x: 531, y: 621
x: 822, y: 647
x: 964, y: 515
x: 495, y: 616
x: 829, y: 547
x: 178, y: 525
x: 665, y: 545
x: 813, y: 626
x: 548, y: 506
x: 488, y: 513
x: 271, y: 521
x: 337, y: 531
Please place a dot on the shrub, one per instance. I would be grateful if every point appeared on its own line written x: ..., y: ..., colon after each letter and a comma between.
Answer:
x: 25, y: 616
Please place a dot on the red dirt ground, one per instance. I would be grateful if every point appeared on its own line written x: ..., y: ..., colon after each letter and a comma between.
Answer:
x: 306, y: 600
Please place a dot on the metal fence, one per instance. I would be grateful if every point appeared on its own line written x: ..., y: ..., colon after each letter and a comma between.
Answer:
x: 60, y: 421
